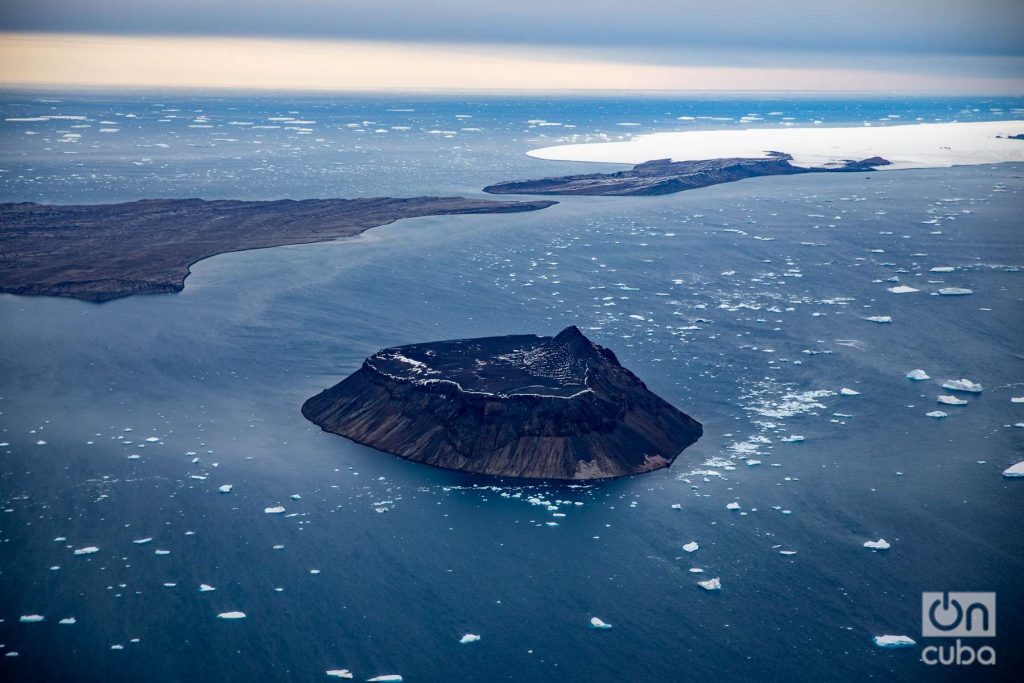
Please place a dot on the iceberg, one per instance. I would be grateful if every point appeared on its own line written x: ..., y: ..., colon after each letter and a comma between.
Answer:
x: 903, y: 289
x: 951, y: 400
x: 67, y: 621
x: 88, y: 550
x: 918, y: 375
x: 849, y: 392
x: 387, y: 678
x: 205, y: 588
x: 231, y: 615
x: 1016, y: 470
x: 142, y: 541
x: 469, y: 638
x: 691, y: 547
x: 955, y: 291
x: 893, y: 641
x: 597, y: 623
x: 792, y: 438
x: 711, y: 584
x: 32, y: 618
x: 879, y: 318
x: 937, y: 414
x: 962, y: 385
x: 276, y: 510
x: 226, y: 488
x: 880, y: 544
x: 339, y: 673
x: 732, y: 506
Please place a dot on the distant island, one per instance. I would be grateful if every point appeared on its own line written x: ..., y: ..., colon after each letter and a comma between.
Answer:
x: 107, y: 251
x: 517, y: 406
x: 664, y: 176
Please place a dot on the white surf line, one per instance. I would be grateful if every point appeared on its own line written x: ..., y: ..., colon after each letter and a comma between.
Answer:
x: 919, y: 145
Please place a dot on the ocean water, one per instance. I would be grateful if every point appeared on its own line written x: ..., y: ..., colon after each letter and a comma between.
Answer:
x: 744, y: 304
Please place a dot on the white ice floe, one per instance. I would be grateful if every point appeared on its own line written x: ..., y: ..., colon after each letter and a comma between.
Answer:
x: 711, y: 584
x: 691, y: 547
x: 792, y: 438
x: 893, y: 641
x: 903, y: 289
x: 339, y: 673
x: 962, y: 385
x: 880, y: 544
x: 206, y: 588
x: 88, y: 550
x: 231, y: 615
x: 937, y: 414
x: 597, y: 623
x: 922, y: 145
x: 276, y: 510
x: 879, y: 318
x: 951, y: 400
x: 67, y: 621
x: 226, y: 488
x: 469, y: 638
x: 955, y: 291
x: 732, y: 506
x: 677, y: 506
x: 942, y: 269
x: 849, y: 392
x: 1017, y: 399
x: 387, y: 678
x: 142, y: 541
x: 32, y: 618
x: 1014, y: 470
x: 161, y: 552
x: 918, y: 375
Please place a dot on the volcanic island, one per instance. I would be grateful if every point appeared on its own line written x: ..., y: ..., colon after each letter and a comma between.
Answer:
x: 524, y: 406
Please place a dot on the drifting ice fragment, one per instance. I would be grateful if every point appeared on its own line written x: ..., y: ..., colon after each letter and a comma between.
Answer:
x: 792, y: 438
x: 1015, y: 470
x: 918, y: 375
x: 67, y: 621
x: 962, y: 385
x: 893, y: 641
x: 88, y: 550
x: 677, y: 506
x: 226, y: 488
x: 388, y: 678
x: 691, y: 547
x: 205, y: 588
x: 732, y: 506
x: 849, y: 392
x: 880, y: 544
x: 951, y: 400
x: 903, y: 289
x: 32, y: 618
x: 711, y: 584
x: 142, y: 541
x: 339, y: 673
x: 937, y: 414
x: 879, y: 318
x: 955, y: 291
x: 597, y: 623
x: 276, y: 510
x: 469, y: 638
x: 231, y: 615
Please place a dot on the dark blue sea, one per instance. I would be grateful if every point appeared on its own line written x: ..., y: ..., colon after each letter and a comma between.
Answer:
x: 747, y: 305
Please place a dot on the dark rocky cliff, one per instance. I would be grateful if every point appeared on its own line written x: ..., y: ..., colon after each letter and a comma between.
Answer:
x: 518, y: 406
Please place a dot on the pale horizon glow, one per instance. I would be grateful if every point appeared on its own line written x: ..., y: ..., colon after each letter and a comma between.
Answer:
x: 99, y: 61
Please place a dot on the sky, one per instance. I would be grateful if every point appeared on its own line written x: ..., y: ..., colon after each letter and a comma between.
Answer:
x: 863, y: 45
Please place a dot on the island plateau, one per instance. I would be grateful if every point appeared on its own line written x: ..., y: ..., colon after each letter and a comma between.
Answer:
x: 518, y: 406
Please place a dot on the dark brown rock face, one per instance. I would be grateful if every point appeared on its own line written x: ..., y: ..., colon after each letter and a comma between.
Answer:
x: 518, y: 406
x: 664, y: 176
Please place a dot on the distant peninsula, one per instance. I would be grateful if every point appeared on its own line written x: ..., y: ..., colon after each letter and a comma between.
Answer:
x: 664, y: 176
x: 517, y: 406
x: 108, y: 251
